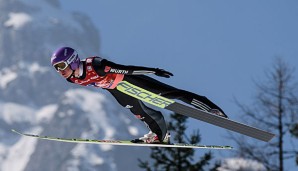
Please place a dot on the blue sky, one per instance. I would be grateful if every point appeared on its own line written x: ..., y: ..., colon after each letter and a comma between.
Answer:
x: 214, y: 48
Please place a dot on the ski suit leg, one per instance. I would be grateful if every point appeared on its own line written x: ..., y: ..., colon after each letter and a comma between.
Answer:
x: 153, y: 119
x: 200, y: 102
x: 155, y: 86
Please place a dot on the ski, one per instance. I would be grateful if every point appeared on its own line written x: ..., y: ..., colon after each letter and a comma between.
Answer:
x: 123, y: 142
x: 165, y: 103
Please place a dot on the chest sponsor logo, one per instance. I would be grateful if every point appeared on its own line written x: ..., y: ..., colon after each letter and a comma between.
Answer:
x: 118, y: 71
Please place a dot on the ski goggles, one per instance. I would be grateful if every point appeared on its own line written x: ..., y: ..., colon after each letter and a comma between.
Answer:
x: 60, y: 66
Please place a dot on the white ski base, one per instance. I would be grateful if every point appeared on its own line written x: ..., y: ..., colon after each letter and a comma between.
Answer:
x: 124, y: 142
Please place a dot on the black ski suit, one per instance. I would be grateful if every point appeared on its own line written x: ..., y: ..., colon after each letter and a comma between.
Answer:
x: 135, y: 75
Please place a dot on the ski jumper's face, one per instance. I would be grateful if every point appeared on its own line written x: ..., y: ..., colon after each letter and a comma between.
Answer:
x: 66, y: 72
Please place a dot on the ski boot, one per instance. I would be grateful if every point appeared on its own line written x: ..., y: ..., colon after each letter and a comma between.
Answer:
x: 152, y: 138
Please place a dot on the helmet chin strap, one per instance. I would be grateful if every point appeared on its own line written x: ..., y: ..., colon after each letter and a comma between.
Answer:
x: 79, y: 73
x: 72, y: 74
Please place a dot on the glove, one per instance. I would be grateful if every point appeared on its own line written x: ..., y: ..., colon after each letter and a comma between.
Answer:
x: 163, y: 73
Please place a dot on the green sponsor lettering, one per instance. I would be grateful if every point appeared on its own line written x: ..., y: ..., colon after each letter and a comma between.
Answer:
x: 144, y: 95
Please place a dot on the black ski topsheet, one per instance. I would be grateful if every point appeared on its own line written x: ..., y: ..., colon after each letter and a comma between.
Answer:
x: 162, y: 102
x: 221, y: 122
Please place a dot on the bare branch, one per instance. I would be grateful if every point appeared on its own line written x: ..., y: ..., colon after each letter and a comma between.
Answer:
x: 275, y: 108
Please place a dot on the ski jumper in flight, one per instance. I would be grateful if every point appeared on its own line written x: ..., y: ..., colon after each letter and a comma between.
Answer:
x: 102, y: 73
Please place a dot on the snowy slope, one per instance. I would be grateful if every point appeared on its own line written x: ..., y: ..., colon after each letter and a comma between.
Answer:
x: 35, y: 99
x: 236, y: 164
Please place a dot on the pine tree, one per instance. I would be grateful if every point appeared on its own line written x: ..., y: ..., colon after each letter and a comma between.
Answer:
x: 177, y: 159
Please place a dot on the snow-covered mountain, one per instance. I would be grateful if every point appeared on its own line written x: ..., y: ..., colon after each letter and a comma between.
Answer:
x: 35, y: 99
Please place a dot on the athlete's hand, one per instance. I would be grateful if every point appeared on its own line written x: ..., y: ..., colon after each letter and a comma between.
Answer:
x: 163, y: 73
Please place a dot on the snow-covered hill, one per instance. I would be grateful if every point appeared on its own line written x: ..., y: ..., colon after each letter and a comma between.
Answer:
x: 35, y: 99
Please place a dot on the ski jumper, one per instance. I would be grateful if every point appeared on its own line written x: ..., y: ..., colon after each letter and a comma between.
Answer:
x: 105, y: 74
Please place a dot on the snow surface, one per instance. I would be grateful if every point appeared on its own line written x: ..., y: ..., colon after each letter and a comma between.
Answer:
x: 18, y: 155
x: 92, y: 103
x: 16, y: 113
x: 47, y: 15
x: 7, y: 76
x: 34, y: 98
x: 35, y: 67
x: 46, y: 113
x: 17, y: 20
x: 81, y: 151
x: 133, y: 130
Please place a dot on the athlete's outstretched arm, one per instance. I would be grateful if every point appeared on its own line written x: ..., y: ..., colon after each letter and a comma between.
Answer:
x: 104, y: 66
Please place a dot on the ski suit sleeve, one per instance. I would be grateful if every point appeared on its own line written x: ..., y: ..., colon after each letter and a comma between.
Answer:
x: 103, y: 66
